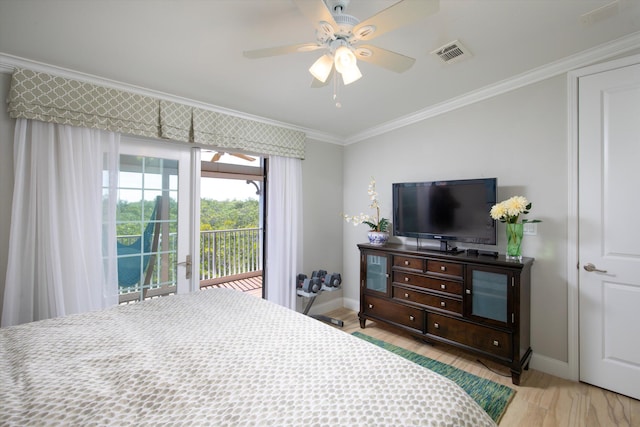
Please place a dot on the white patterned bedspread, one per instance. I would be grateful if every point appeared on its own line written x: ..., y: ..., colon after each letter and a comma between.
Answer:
x: 214, y: 358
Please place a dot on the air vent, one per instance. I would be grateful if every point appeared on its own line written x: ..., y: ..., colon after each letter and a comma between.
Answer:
x: 452, y: 52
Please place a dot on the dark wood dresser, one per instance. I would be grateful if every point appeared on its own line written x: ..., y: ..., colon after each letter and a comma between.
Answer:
x: 477, y: 303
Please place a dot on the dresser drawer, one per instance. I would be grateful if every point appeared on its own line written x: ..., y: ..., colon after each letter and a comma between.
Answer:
x: 432, y: 283
x: 435, y: 301
x: 449, y: 268
x: 409, y: 263
x: 479, y: 337
x: 411, y: 317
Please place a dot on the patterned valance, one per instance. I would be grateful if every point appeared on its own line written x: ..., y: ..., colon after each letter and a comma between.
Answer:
x: 48, y: 98
x: 175, y: 121
x: 225, y: 131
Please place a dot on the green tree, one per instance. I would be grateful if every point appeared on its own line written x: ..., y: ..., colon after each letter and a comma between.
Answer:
x: 228, y: 214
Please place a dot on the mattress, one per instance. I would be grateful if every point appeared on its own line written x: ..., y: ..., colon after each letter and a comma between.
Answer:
x: 215, y: 357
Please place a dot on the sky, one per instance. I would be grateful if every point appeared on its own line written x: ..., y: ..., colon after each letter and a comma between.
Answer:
x: 227, y: 189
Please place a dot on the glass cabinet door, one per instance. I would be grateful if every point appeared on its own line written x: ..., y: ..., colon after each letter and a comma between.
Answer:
x: 488, y: 295
x: 377, y: 273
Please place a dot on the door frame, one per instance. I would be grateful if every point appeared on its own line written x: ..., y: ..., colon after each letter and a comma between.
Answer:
x: 230, y: 171
x: 573, y: 243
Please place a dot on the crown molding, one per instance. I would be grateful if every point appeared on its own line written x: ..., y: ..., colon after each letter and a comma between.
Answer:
x: 579, y: 60
x: 620, y: 46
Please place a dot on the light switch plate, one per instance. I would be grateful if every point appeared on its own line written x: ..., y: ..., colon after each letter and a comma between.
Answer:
x: 530, y: 228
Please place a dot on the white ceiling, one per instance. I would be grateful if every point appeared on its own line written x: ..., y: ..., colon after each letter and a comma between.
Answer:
x: 193, y: 49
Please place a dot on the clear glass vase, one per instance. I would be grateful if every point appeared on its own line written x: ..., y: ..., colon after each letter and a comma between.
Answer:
x: 514, y: 241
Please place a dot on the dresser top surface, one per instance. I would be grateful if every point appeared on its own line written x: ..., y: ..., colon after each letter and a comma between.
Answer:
x: 429, y: 252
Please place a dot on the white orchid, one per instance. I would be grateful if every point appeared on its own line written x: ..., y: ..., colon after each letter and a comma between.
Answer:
x: 374, y: 222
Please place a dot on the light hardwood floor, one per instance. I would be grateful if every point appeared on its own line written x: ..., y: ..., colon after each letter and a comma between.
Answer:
x: 540, y: 400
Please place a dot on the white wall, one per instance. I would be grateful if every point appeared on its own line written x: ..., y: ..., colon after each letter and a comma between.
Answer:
x: 519, y: 137
x: 322, y: 223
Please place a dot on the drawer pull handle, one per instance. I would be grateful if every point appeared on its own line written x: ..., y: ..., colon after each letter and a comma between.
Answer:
x: 443, y: 268
x: 436, y: 325
x: 406, y: 295
x: 443, y: 304
x: 386, y: 275
x: 443, y: 286
x: 496, y: 343
x: 406, y: 262
x: 406, y: 279
x: 412, y: 318
x: 370, y: 305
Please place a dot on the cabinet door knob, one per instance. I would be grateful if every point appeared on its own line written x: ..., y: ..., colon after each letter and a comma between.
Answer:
x: 496, y: 343
x: 386, y: 275
x: 436, y: 325
x: 468, y: 291
x: 406, y: 295
x: 406, y: 262
x: 443, y: 268
x: 443, y: 286
x: 370, y: 305
x: 412, y: 318
x: 443, y: 304
x: 406, y: 279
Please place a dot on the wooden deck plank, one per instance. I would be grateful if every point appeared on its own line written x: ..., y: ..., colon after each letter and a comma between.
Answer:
x: 252, y: 285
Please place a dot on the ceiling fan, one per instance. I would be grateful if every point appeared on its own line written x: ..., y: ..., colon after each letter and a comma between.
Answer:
x: 340, y: 35
x: 218, y: 155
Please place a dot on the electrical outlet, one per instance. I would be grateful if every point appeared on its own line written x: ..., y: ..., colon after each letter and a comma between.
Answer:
x: 530, y: 228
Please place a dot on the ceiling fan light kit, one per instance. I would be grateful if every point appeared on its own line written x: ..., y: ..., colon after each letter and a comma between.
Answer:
x: 345, y: 62
x: 321, y: 69
x: 351, y: 74
x: 339, y: 34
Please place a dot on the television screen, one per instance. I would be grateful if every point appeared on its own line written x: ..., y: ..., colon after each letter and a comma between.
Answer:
x: 455, y: 210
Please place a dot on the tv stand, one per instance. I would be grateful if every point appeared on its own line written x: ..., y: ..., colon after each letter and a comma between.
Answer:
x: 444, y: 247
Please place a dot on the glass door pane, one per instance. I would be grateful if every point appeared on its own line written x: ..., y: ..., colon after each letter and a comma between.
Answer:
x: 152, y: 220
x: 377, y: 273
x: 489, y: 295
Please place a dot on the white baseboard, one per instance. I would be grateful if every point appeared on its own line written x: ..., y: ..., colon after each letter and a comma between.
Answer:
x: 351, y: 304
x: 323, y: 303
x: 551, y: 366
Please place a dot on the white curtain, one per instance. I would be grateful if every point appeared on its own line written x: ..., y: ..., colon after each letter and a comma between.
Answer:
x: 56, y: 264
x: 284, y: 230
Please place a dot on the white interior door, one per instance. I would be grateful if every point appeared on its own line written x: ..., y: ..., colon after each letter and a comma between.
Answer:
x: 155, y: 219
x: 609, y: 252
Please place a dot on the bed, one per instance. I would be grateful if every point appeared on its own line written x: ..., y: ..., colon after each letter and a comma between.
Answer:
x: 216, y: 357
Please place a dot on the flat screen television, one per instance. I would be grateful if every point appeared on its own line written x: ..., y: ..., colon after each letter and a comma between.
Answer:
x: 447, y: 211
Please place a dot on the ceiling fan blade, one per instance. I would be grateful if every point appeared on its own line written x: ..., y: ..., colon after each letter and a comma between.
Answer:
x: 243, y: 157
x: 216, y: 157
x: 384, y: 58
x: 400, y: 14
x: 316, y: 11
x: 281, y: 50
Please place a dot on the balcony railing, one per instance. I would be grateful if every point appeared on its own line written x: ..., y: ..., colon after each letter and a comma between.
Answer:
x: 225, y: 256
x: 229, y: 254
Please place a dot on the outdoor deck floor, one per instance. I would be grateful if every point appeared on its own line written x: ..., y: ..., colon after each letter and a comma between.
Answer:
x: 250, y: 285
